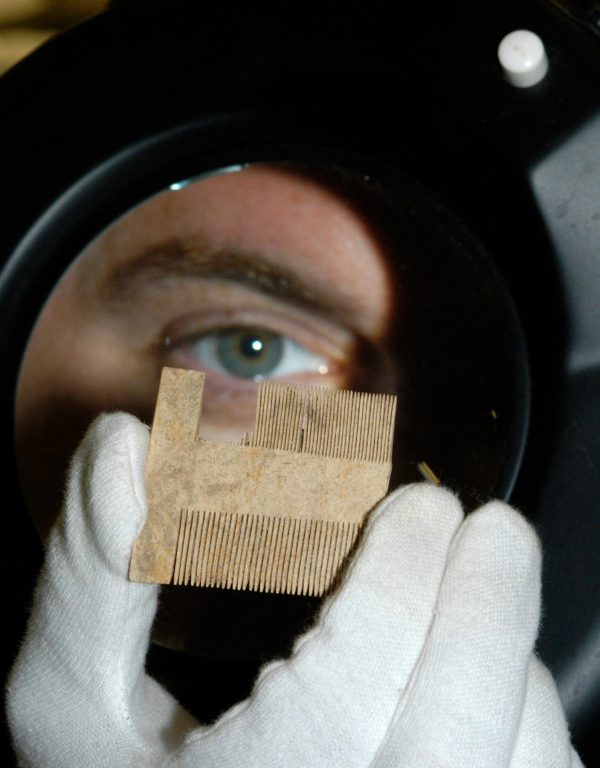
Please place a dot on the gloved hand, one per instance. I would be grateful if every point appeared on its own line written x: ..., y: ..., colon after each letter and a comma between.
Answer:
x: 422, y: 658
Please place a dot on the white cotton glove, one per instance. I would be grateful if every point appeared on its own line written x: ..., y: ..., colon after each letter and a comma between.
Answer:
x: 422, y: 659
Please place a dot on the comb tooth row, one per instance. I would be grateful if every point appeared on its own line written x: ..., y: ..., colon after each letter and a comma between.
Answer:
x: 325, y: 422
x: 261, y: 553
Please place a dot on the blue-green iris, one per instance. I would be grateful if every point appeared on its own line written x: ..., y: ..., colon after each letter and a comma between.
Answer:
x: 249, y: 353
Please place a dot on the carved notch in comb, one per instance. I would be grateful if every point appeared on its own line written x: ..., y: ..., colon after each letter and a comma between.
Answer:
x: 277, y: 513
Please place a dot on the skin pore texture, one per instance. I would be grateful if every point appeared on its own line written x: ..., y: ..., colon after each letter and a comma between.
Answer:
x: 197, y: 278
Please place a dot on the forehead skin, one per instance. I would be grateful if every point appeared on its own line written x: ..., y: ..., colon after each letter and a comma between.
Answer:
x: 288, y: 220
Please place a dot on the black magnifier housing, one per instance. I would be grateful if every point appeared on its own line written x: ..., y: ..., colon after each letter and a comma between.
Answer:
x: 147, y: 95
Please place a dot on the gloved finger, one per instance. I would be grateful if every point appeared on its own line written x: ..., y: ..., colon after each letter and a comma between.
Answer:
x: 89, y: 550
x: 465, y: 699
x: 79, y: 678
x: 543, y: 737
x: 330, y: 704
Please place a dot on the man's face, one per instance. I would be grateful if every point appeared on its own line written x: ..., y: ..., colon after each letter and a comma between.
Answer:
x: 248, y: 275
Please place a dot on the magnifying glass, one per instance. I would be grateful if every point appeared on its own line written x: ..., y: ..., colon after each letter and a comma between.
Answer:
x: 189, y: 210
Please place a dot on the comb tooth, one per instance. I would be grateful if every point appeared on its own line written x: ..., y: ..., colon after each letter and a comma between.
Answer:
x: 267, y: 562
x: 338, y: 547
x: 223, y: 561
x: 185, y: 547
x: 326, y: 444
x: 237, y: 551
x: 275, y: 563
x: 266, y: 568
x: 250, y: 552
x: 300, y: 422
x: 310, y: 563
x: 357, y: 426
x: 290, y: 550
x: 328, y: 572
x: 296, y: 585
x: 297, y: 558
x: 196, y: 546
x: 247, y: 548
x: 373, y: 435
x: 390, y: 431
x: 378, y: 416
x: 307, y: 558
x: 329, y: 421
x: 335, y: 427
x: 256, y: 554
x: 379, y: 422
x: 320, y: 564
x: 304, y: 574
x: 297, y: 554
x: 385, y: 428
x: 345, y: 539
x: 352, y: 426
x: 315, y: 557
x: 275, y: 555
x: 262, y: 561
x: 234, y: 572
x: 292, y: 421
x: 263, y: 558
x: 351, y: 534
x: 277, y: 426
x: 304, y: 424
x: 310, y: 424
x: 345, y: 404
x: 189, y: 533
x: 203, y: 545
x: 192, y: 550
x: 175, y: 577
x: 363, y: 426
x: 256, y: 437
x: 282, y: 549
x: 208, y: 546
x: 332, y: 532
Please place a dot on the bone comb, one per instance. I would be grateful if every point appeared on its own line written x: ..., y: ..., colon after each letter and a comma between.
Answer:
x: 278, y: 512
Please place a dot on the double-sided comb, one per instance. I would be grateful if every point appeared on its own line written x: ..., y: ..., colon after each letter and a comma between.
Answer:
x: 277, y: 513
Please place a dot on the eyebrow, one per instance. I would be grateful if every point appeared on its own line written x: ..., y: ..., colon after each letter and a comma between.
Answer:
x: 176, y: 260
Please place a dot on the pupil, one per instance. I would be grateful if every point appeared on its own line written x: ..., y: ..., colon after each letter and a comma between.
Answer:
x: 251, y: 346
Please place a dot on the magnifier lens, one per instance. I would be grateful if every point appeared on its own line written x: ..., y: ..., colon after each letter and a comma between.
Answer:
x: 306, y: 273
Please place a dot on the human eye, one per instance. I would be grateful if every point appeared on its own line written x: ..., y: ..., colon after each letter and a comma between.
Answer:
x: 236, y: 350
x: 249, y: 353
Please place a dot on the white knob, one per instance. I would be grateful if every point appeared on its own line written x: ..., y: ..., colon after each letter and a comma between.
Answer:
x: 523, y: 59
